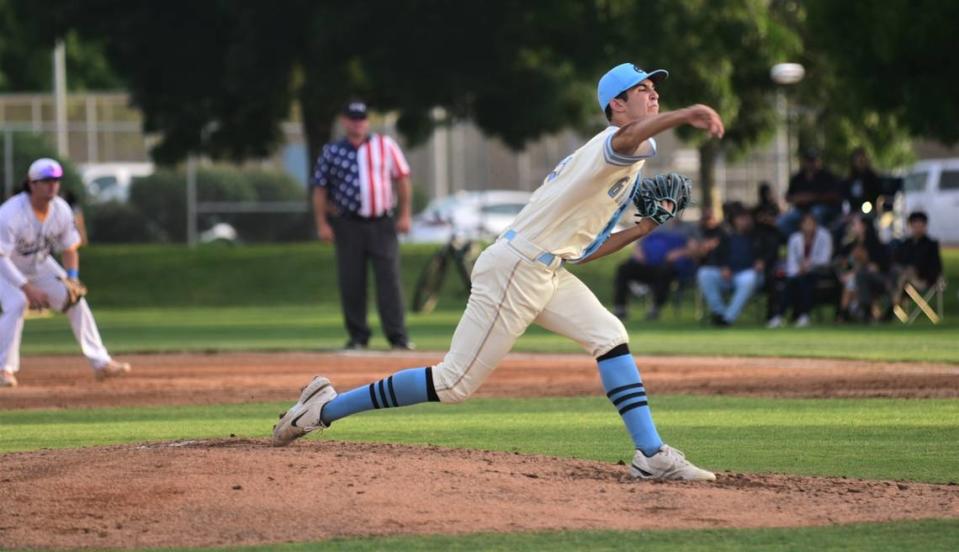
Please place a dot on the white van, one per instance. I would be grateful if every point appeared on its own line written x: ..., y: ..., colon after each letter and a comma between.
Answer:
x: 111, y: 181
x: 932, y: 186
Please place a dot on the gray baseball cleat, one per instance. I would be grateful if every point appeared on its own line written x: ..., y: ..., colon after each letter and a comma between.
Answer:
x: 111, y: 369
x: 304, y: 416
x: 667, y: 464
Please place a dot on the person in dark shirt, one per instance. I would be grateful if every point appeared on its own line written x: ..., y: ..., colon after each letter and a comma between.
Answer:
x: 657, y: 260
x: 734, y: 267
x: 862, y: 266
x: 768, y: 242
x: 813, y: 189
x: 862, y: 185
x: 917, y: 259
x: 766, y: 201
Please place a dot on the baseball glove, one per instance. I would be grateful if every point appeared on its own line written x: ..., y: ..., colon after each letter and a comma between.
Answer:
x: 672, y: 187
x: 75, y: 291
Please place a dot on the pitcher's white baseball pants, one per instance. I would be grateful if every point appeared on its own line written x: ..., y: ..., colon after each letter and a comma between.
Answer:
x: 511, y: 290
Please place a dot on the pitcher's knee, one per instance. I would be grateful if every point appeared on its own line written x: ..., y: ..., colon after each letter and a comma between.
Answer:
x: 452, y: 386
x: 613, y: 333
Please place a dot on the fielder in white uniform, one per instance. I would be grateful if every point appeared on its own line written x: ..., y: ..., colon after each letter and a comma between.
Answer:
x: 521, y: 280
x: 33, y: 224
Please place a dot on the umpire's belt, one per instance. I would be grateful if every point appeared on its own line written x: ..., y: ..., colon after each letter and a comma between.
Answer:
x: 530, y: 250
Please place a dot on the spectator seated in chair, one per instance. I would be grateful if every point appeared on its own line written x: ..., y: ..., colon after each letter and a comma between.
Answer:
x: 917, y: 260
x: 862, y: 266
x: 808, y: 256
x: 768, y: 241
x: 734, y: 266
x: 658, y: 260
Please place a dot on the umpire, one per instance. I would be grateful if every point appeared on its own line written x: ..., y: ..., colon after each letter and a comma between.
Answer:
x: 356, y: 208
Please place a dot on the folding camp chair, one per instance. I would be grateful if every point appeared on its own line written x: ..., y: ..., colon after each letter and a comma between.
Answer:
x: 921, y: 303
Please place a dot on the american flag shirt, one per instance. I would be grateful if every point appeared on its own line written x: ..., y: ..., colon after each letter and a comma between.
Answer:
x: 359, y: 180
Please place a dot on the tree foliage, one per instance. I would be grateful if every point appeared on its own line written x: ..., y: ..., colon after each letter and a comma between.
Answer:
x: 895, y: 58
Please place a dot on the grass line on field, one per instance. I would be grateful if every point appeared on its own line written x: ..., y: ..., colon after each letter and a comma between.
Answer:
x: 828, y: 437
x: 926, y: 535
x: 290, y: 328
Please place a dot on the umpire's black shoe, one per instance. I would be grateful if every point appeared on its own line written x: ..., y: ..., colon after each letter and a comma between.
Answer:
x: 354, y: 346
x: 720, y: 321
x: 403, y: 346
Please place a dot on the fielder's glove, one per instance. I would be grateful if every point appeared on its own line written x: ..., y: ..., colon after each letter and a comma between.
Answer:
x: 672, y: 187
x: 75, y: 291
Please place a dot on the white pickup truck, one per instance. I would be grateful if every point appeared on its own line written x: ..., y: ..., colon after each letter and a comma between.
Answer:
x: 932, y: 185
x: 111, y: 181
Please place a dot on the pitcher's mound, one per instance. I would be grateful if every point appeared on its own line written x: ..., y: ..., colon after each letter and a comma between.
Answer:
x: 243, y: 492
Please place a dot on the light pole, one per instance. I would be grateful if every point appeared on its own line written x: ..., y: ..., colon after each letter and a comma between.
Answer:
x: 784, y: 74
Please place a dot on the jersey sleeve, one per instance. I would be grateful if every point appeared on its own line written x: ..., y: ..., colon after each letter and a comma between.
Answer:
x: 645, y: 150
x: 321, y: 172
x: 69, y: 237
x: 8, y: 238
x: 399, y: 168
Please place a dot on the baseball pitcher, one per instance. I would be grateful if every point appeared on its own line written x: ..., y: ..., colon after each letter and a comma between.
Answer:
x: 521, y: 279
x: 34, y: 224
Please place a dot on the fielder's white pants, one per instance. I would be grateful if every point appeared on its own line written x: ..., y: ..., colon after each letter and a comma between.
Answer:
x: 510, y: 291
x: 13, y: 303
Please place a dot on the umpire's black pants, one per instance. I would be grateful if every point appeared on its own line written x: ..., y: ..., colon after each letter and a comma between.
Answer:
x: 359, y: 241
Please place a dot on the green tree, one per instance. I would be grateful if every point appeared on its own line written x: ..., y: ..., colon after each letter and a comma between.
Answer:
x: 893, y: 58
x: 832, y: 116
x: 718, y: 53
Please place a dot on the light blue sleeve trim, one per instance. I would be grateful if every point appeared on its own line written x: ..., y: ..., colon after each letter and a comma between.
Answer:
x: 614, y: 158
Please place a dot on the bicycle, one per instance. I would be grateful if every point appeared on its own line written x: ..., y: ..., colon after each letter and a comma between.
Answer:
x: 458, y: 251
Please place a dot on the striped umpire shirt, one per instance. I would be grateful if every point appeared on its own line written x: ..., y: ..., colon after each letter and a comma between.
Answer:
x: 359, y: 180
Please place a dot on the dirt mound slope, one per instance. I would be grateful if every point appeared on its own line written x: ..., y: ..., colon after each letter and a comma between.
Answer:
x: 239, y: 492
x: 66, y: 381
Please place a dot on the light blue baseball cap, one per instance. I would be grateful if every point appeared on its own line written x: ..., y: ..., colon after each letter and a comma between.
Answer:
x: 623, y: 77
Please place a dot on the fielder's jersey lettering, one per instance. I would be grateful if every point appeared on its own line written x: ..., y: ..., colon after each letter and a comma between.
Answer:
x: 26, y: 240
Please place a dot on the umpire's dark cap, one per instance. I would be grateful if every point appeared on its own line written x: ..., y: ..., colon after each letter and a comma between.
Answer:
x: 355, y: 109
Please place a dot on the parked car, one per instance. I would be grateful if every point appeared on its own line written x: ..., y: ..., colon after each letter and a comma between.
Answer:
x: 468, y: 214
x: 111, y: 181
x: 932, y: 186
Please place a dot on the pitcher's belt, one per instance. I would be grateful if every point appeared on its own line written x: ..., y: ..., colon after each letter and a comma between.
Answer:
x: 529, y: 249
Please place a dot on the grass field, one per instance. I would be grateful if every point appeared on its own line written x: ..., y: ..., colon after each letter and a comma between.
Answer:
x: 320, y: 327
x: 283, y: 297
x: 157, y: 298
x: 931, y: 535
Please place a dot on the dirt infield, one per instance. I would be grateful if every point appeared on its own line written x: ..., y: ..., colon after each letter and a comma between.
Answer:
x: 237, y: 492
x: 66, y: 382
x: 245, y: 492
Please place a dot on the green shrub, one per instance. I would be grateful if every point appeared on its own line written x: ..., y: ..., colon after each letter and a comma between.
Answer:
x: 161, y: 198
x: 115, y: 222
x: 27, y: 148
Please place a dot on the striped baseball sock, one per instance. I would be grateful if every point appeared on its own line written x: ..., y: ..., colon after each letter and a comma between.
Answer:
x: 403, y: 388
x: 620, y: 376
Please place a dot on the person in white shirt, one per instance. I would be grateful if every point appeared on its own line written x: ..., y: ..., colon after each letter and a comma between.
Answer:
x: 808, y: 257
x: 34, y: 224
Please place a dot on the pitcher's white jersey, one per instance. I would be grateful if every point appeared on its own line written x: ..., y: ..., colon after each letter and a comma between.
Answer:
x: 28, y: 242
x: 577, y: 206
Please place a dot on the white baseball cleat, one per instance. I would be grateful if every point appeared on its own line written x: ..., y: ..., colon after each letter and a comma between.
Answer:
x: 7, y: 379
x: 111, y: 369
x: 668, y: 464
x: 304, y: 416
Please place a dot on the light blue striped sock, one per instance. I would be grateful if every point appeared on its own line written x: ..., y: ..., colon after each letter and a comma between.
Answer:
x: 404, y: 388
x: 624, y: 388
